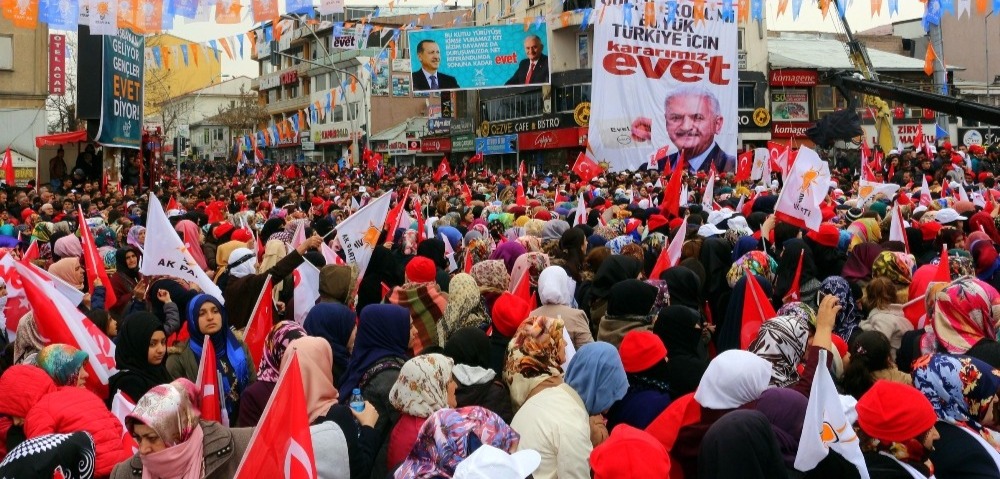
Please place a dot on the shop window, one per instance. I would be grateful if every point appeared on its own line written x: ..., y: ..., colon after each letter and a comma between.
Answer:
x: 6, y: 52
x: 338, y: 113
x: 827, y: 100
x: 320, y: 81
x: 512, y: 107
x: 747, y: 96
x: 569, y: 96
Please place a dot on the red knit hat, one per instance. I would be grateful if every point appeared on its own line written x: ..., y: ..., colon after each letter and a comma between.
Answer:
x: 676, y: 223
x: 894, y: 412
x: 421, y: 270
x: 656, y: 221
x: 316, y: 201
x: 828, y: 235
x: 640, y: 350
x: 543, y: 215
x: 243, y: 235
x: 222, y: 229
x: 930, y: 230
x: 632, y: 453
x: 509, y: 312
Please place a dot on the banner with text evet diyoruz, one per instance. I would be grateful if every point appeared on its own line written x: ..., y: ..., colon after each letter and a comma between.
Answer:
x: 665, y: 80
x: 122, y: 89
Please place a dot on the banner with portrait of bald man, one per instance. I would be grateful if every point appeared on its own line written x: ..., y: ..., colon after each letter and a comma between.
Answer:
x: 665, y: 81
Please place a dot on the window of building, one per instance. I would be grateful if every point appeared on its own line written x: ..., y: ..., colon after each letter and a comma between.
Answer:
x: 293, y: 91
x: 583, y: 50
x: 338, y: 113
x: 513, y: 107
x: 320, y: 81
x: 827, y: 99
x: 272, y: 95
x: 218, y: 134
x: 740, y: 40
x: 205, y: 136
x: 6, y: 52
x: 747, y: 96
x: 569, y: 96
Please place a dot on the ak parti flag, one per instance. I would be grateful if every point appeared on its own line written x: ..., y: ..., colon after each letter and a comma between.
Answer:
x: 756, y: 310
x: 261, y: 322
x: 93, y: 262
x: 281, y: 445
x: 208, y: 382
x: 807, y: 183
x: 672, y: 193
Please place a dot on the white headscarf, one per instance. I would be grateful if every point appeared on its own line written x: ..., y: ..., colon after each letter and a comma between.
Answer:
x: 245, y: 268
x: 555, y: 286
x: 733, y: 378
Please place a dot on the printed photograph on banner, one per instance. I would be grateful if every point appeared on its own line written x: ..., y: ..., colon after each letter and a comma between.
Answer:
x: 380, y: 76
x: 400, y: 78
x: 790, y: 105
x: 478, y: 57
x: 665, y: 84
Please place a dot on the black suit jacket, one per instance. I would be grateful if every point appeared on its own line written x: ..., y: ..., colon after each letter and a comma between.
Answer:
x: 445, y: 82
x: 723, y: 163
x: 540, y: 75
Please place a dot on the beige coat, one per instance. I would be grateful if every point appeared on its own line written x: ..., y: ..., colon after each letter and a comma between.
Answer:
x: 223, y: 450
x: 555, y: 423
x: 891, y: 322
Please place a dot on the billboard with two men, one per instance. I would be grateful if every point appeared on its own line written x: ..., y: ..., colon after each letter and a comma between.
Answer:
x: 478, y: 57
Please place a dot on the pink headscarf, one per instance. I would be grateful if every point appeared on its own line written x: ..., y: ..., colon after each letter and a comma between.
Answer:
x: 966, y: 312
x: 192, y: 239
x: 68, y: 247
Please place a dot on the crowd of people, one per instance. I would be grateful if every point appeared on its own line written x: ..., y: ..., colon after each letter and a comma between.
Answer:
x: 612, y: 366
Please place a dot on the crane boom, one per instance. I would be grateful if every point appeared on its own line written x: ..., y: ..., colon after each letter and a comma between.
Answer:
x: 946, y: 104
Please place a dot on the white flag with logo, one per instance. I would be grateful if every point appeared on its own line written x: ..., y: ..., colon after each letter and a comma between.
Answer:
x: 806, y: 184
x: 306, y: 291
x: 359, y: 233
x: 826, y: 427
x: 708, y: 198
x: 868, y: 191
x: 761, y: 162
x: 581, y: 211
x: 166, y: 254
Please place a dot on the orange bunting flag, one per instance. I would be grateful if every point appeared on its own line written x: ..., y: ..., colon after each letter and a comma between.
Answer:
x: 929, y: 59
x: 195, y: 54
x: 165, y: 54
x: 743, y: 11
x: 527, y: 23
x: 564, y: 18
x: 876, y: 7
x: 227, y: 16
x: 982, y: 5
x: 782, y: 6
x: 250, y: 34
x: 824, y: 6
x: 225, y: 46
x: 699, y: 11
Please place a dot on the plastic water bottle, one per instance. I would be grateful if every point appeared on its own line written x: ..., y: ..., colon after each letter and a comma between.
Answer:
x: 357, y: 401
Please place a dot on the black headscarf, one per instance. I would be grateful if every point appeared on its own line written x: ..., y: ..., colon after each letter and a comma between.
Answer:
x: 679, y: 328
x: 684, y: 286
x: 729, y: 329
x: 132, y: 351
x: 614, y: 269
x: 179, y: 294
x: 631, y: 298
x: 130, y: 275
x: 741, y: 444
x: 788, y: 262
x: 469, y: 346
x: 829, y: 261
x: 433, y: 248
x: 716, y: 258
x: 271, y: 227
x: 382, y: 268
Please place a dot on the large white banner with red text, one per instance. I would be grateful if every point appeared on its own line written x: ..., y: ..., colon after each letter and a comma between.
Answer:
x: 653, y: 53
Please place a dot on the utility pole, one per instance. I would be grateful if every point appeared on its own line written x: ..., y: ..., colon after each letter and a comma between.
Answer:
x: 940, y: 72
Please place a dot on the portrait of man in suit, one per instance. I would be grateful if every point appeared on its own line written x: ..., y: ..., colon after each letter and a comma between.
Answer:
x: 428, y: 77
x: 693, y: 118
x: 534, y: 69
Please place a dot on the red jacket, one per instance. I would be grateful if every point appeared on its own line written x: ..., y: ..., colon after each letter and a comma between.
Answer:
x: 402, y: 439
x: 21, y: 387
x: 71, y: 409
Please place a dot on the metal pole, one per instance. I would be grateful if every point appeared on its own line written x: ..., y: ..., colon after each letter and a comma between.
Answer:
x: 986, y: 62
x: 940, y: 72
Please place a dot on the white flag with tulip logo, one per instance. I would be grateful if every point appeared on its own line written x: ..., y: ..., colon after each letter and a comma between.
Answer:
x: 166, y: 254
x: 359, y: 233
x: 806, y: 185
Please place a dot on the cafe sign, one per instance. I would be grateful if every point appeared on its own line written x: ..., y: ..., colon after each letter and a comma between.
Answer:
x: 546, y: 122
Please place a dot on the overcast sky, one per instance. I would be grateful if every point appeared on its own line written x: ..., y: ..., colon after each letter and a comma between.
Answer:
x: 811, y: 19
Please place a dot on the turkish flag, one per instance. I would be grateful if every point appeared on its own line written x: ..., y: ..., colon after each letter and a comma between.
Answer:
x: 794, y: 292
x: 520, y: 199
x: 420, y: 220
x: 778, y: 155
x: 261, y: 321
x: 477, y: 158
x: 60, y: 322
x: 172, y: 204
x: 291, y: 172
x: 466, y: 194
x: 586, y: 168
x: 672, y: 193
x: 208, y: 383
x: 943, y: 272
x: 281, y: 445
x: 523, y: 289
x: 93, y: 261
x: 8, y: 168
x: 392, y: 219
x: 744, y: 165
x: 756, y: 310
x: 443, y: 170
x: 31, y: 253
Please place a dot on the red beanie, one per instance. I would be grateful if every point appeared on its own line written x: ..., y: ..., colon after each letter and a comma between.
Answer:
x: 656, y: 221
x: 242, y: 235
x: 894, y: 412
x: 828, y: 235
x: 316, y: 201
x: 543, y: 215
x: 632, y: 453
x: 641, y: 350
x: 509, y: 312
x: 930, y: 230
x: 676, y: 223
x: 222, y: 229
x: 421, y: 270
x: 26, y: 213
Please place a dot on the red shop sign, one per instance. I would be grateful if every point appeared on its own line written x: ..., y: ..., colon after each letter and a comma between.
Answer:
x: 544, y: 140
x: 790, y: 130
x: 793, y: 78
x: 57, y: 64
x: 435, y: 145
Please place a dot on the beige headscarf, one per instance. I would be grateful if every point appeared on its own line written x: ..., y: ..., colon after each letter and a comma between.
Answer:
x: 316, y: 365
x: 422, y: 385
x: 536, y: 353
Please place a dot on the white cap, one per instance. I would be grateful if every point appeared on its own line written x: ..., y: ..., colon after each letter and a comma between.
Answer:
x: 717, y: 216
x: 129, y: 204
x: 947, y: 215
x: 489, y: 462
x: 893, y: 152
x: 279, y: 188
x: 919, y: 209
x: 709, y: 230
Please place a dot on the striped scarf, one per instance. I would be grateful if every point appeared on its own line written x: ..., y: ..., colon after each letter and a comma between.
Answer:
x: 426, y: 304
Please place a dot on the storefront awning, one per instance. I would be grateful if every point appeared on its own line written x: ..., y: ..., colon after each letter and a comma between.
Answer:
x: 61, y: 138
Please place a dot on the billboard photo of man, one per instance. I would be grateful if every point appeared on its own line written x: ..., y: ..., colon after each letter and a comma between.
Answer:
x: 534, y: 69
x: 428, y: 77
x: 693, y: 118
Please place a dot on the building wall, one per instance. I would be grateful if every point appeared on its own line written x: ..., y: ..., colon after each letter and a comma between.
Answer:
x: 966, y: 43
x: 180, y: 78
x: 196, y: 106
x: 23, y: 88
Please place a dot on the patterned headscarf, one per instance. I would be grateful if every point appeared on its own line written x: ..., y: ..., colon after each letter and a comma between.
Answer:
x: 662, y: 297
x: 491, y: 276
x: 961, y: 389
x: 422, y: 385
x: 52, y: 455
x: 898, y: 267
x: 531, y: 244
x: 798, y: 309
x: 616, y: 244
x: 865, y: 230
x: 133, y: 236
x: 849, y: 316
x: 465, y: 307
x: 281, y: 335
x: 478, y: 250
x: 29, y: 341
x: 782, y: 341
x: 758, y: 262
x: 535, y: 353
x: 168, y: 410
x: 959, y: 264
x: 443, y: 441
x: 62, y: 363
x: 530, y: 264
x: 965, y: 312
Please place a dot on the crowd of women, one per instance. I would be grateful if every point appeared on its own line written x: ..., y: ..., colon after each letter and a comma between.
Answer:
x: 613, y: 368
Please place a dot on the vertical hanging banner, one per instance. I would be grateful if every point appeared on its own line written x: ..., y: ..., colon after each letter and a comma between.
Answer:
x: 121, y: 91
x: 666, y: 79
x: 57, y: 64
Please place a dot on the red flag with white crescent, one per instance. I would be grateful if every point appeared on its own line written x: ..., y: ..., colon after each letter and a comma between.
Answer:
x: 209, y: 400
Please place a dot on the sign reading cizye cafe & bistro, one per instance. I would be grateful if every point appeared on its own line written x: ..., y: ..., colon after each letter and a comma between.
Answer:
x: 121, y: 90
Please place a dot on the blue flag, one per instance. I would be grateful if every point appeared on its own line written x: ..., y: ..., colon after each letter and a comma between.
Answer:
x: 940, y: 132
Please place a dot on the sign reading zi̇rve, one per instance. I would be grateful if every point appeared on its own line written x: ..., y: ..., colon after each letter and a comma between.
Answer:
x: 121, y: 90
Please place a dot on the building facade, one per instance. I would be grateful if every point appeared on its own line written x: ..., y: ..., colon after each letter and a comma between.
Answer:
x: 24, y: 86
x: 190, y: 114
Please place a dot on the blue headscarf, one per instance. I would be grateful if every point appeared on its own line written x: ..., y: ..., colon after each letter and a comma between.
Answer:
x: 228, y: 349
x: 597, y: 375
x: 333, y: 322
x: 959, y: 388
x: 849, y: 317
x: 745, y: 245
x: 383, y: 332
